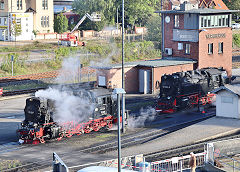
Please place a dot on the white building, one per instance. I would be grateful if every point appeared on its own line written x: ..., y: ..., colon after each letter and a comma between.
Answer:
x: 228, y: 101
x: 31, y: 15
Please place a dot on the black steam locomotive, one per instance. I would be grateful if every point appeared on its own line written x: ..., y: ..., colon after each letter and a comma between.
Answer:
x: 39, y: 124
x: 183, y: 90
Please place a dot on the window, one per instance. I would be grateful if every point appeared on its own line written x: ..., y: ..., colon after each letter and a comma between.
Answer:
x: 19, y: 4
x: 2, y: 5
x: 45, y: 21
x: 210, y: 48
x: 214, y: 21
x: 205, y: 22
x: 42, y: 21
x: 180, y: 46
x: 220, y: 47
x: 45, y: 4
x: 5, y: 21
x: 187, y: 49
x: 225, y: 99
x: 176, y: 21
x: 219, y: 21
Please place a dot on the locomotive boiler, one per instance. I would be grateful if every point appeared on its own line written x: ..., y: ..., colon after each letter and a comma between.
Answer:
x: 39, y: 124
x: 184, y: 90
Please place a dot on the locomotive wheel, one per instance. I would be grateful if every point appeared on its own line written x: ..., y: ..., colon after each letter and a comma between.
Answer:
x: 103, y: 123
x: 41, y: 140
x: 109, y: 124
x: 87, y: 129
x: 69, y: 133
x: 80, y: 132
x: 96, y: 126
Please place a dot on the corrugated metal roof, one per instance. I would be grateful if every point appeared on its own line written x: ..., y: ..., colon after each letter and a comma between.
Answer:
x: 235, y: 89
x: 150, y: 63
x: 198, y: 11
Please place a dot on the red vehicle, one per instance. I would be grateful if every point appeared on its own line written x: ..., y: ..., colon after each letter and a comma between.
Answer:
x: 72, y: 40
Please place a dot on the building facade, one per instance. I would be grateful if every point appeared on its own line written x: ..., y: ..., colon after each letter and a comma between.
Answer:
x: 192, y: 38
x: 228, y: 101
x: 30, y: 15
x: 201, y: 34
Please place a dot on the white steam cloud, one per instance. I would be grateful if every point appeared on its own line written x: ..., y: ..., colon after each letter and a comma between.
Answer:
x: 145, y: 115
x: 67, y: 107
x: 70, y: 71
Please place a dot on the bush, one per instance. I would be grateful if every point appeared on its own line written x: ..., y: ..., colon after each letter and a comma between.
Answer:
x: 18, y: 65
x: 236, y: 39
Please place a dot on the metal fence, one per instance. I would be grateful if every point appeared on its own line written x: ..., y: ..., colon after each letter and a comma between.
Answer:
x: 222, y: 154
x: 177, y: 163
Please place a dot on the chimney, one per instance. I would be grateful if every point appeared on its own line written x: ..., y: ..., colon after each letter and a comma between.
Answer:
x: 188, y: 6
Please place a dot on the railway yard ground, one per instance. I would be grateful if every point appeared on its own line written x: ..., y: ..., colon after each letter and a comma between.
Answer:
x: 148, y: 135
x: 193, y: 127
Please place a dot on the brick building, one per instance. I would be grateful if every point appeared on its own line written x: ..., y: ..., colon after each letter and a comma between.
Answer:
x: 201, y: 34
x: 192, y: 38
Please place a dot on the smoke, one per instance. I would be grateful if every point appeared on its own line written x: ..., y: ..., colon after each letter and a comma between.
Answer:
x: 67, y: 106
x: 145, y: 115
x: 70, y: 71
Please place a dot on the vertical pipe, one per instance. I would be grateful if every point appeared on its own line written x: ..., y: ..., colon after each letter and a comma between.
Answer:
x: 123, y: 77
x: 117, y: 20
x: 119, y: 135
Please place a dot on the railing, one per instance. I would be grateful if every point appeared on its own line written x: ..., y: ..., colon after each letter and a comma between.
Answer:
x: 177, y: 163
x: 228, y: 163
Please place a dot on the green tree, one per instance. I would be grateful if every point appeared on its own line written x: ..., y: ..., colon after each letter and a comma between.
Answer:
x: 232, y: 4
x: 137, y: 12
x: 60, y: 23
x: 103, y: 7
x: 154, y: 29
x: 16, y: 30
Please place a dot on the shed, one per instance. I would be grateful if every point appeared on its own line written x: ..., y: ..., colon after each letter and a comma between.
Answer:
x: 228, y: 101
x: 141, y: 76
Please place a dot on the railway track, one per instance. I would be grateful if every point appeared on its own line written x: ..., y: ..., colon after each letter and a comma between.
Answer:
x: 127, y: 141
x: 18, y: 92
x: 139, y: 138
x: 184, y: 150
x: 37, y: 76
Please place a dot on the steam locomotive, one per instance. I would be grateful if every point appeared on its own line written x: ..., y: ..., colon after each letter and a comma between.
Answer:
x: 39, y: 124
x: 184, y: 90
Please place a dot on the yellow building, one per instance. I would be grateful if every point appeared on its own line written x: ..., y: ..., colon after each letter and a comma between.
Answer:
x: 40, y: 10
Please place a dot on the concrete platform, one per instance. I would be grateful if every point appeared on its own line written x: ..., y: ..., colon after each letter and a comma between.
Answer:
x: 210, y: 128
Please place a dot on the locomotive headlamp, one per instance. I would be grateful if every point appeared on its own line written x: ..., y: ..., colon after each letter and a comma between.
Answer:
x: 168, y: 97
x: 96, y: 109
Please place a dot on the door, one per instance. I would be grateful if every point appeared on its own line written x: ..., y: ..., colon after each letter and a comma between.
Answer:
x: 144, y: 81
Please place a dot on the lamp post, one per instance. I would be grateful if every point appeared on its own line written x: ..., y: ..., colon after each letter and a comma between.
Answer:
x: 123, y: 77
x: 118, y: 92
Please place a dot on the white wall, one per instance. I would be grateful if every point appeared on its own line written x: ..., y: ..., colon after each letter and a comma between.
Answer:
x: 227, y: 104
x: 26, y: 20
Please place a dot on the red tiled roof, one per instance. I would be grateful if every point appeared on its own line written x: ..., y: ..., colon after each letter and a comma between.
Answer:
x: 219, y: 4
